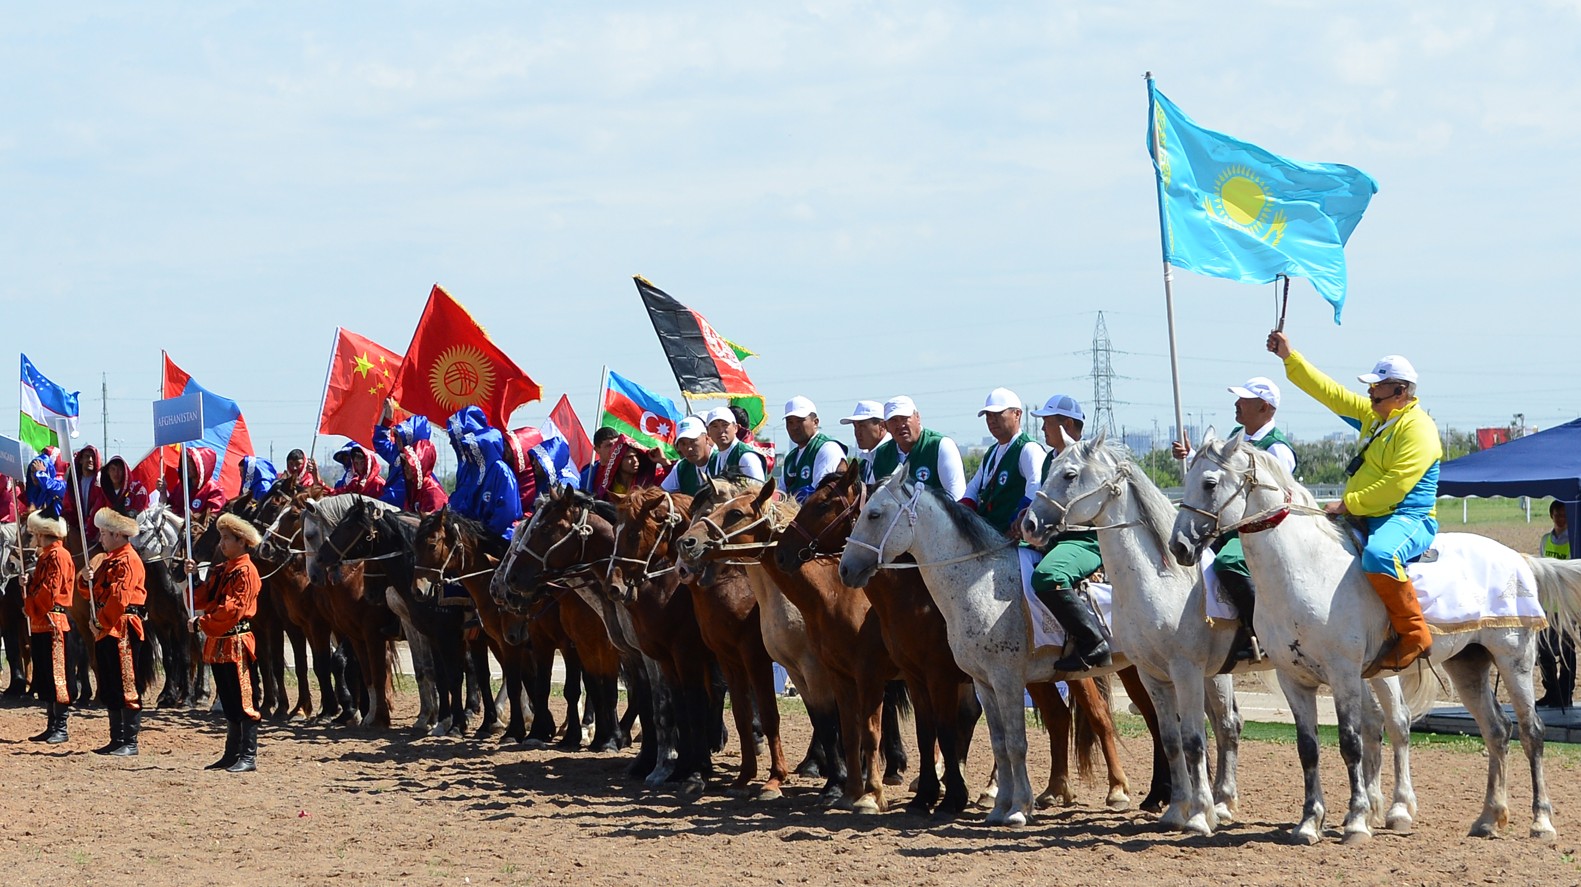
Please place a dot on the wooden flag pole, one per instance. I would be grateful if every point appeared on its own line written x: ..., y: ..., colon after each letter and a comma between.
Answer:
x: 1169, y: 279
x: 186, y: 509
x: 1284, y: 304
x: 63, y: 433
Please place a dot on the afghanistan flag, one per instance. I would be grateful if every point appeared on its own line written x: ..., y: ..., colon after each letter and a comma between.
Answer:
x: 704, y: 362
x: 361, y: 375
x: 452, y: 363
x: 224, y: 427
x: 44, y: 406
x: 645, y: 417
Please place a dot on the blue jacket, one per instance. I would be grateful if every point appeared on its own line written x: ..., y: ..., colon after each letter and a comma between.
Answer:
x: 486, y: 489
x: 388, y: 442
x: 46, y: 491
x: 258, y: 476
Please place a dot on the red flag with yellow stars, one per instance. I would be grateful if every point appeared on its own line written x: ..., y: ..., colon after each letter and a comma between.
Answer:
x: 451, y: 364
x: 361, y: 375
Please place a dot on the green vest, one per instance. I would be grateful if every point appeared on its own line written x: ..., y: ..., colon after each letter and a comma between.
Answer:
x: 730, y: 460
x: 999, y: 497
x: 689, y: 478
x: 922, y: 463
x: 881, y: 462
x: 1273, y: 436
x: 1082, y: 536
x: 799, y: 462
x: 1560, y: 550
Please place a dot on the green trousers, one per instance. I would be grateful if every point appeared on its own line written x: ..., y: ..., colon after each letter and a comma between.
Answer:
x: 1073, y: 558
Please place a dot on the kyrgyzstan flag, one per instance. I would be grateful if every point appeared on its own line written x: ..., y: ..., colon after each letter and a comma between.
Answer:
x: 563, y: 421
x: 451, y: 364
x: 224, y: 428
x: 704, y: 362
x: 361, y: 375
x: 645, y: 417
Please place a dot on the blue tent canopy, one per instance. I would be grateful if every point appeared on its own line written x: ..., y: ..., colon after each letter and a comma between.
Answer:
x: 1545, y: 464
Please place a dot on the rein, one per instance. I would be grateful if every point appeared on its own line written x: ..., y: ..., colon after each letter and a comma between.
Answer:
x: 671, y: 520
x: 811, y: 552
x: 1111, y: 487
x: 581, y: 529
x: 908, y: 509
x: 1266, y: 519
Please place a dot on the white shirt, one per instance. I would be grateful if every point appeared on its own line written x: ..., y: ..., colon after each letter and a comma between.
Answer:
x: 672, y: 481
x: 866, y: 458
x: 751, y: 464
x: 952, y: 474
x: 1030, y: 463
x: 1285, y: 455
x: 827, y: 461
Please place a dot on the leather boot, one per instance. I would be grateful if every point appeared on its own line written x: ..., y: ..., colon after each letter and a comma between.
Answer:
x: 1238, y: 589
x: 1083, y: 635
x: 1405, y: 617
x: 131, y: 725
x: 247, y: 761
x: 116, y: 716
x: 57, y: 725
x: 49, y: 723
x: 233, y: 745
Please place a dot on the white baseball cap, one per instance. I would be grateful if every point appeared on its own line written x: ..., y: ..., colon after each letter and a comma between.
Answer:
x: 865, y: 410
x: 690, y: 427
x: 1259, y: 387
x: 1062, y: 405
x: 1392, y: 367
x: 719, y: 414
x: 999, y: 400
x: 899, y: 406
x: 800, y: 407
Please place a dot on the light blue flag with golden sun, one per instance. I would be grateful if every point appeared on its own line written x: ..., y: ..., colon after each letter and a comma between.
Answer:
x: 1231, y: 209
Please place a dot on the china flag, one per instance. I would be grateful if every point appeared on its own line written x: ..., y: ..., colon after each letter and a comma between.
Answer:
x: 452, y: 364
x: 361, y: 375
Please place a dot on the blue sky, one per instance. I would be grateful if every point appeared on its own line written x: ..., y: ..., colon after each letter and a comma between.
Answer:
x: 879, y: 198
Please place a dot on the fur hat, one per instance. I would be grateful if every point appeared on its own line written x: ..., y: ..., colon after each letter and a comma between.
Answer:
x: 112, y: 521
x: 230, y: 523
x: 39, y: 522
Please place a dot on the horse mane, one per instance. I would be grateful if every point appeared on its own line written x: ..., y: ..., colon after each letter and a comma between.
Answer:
x: 603, y: 509
x: 332, y: 510
x: 466, y: 528
x: 719, y: 490
x: 1158, y: 513
x: 980, y: 534
x: 1299, y: 494
x: 643, y: 499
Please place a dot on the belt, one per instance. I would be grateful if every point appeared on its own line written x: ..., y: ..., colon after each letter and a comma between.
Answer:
x: 59, y: 609
x: 243, y: 627
x: 139, y: 611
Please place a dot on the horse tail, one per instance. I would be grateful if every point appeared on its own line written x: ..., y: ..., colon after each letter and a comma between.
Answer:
x: 1084, y: 733
x: 1559, y: 592
x: 896, y: 696
x: 1420, y: 686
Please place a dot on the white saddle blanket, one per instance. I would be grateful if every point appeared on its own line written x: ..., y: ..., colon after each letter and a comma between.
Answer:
x: 1045, y: 629
x: 1466, y: 583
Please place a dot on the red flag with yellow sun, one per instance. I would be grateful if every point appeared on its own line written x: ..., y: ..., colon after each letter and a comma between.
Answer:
x: 451, y: 364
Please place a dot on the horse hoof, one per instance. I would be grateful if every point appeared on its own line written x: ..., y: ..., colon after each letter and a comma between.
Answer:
x: 534, y: 744
x: 1484, y: 830
x: 1016, y: 819
x: 1198, y: 825
x: 692, y: 786
x: 1305, y: 836
x: 1117, y: 801
x: 1544, y: 831
x: 995, y: 817
x: 1400, y: 823
x: 1356, y: 838
x: 769, y: 794
x: 1224, y: 813
x: 987, y: 799
x: 1174, y: 818
x: 867, y: 804
x: 894, y: 779
x: 918, y: 807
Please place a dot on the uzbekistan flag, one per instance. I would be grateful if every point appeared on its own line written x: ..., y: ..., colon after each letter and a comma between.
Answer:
x: 641, y: 415
x: 44, y: 405
x: 224, y: 428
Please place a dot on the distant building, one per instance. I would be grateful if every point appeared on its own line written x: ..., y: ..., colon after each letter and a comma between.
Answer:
x: 1140, y: 443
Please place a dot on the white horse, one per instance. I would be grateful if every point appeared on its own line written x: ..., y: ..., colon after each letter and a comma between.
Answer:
x: 1158, y: 618
x: 1322, y: 623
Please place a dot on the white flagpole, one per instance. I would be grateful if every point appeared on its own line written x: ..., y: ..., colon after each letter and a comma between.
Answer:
x: 603, y: 389
x: 1169, y: 275
x: 323, y: 397
x: 186, y: 508
x: 64, y: 434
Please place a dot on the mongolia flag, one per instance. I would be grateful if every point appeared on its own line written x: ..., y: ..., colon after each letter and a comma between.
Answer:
x: 1230, y: 209
x: 361, y: 375
x: 224, y: 428
x: 44, y: 406
x: 451, y: 364
x: 645, y: 417
x: 705, y: 364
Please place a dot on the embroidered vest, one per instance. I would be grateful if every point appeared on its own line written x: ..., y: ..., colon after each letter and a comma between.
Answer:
x: 1003, y: 487
x: 799, y: 464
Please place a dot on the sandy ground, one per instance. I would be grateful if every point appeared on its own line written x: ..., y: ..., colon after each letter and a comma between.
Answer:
x: 332, y: 803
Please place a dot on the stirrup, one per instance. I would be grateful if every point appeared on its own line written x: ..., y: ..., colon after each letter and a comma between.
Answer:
x: 1252, y: 651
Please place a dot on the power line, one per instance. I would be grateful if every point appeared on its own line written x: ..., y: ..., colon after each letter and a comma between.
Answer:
x: 1102, y: 418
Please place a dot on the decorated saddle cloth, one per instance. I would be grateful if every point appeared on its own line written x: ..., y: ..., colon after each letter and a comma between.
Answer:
x: 1465, y: 582
x: 1041, y: 624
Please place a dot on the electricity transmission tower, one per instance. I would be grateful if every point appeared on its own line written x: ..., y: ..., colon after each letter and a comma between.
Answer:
x: 1101, y: 417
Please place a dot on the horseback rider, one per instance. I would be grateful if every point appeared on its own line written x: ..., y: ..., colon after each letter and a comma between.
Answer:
x: 228, y: 599
x: 734, y: 456
x: 362, y: 471
x: 47, y: 603
x: 1073, y: 554
x: 258, y: 477
x: 867, y: 425
x: 604, y: 439
x: 116, y: 581
x: 1011, y: 470
x: 82, y: 490
x: 690, y: 474
x: 1392, y: 488
x: 420, y: 491
x: 929, y: 457
x: 390, y: 440
x: 302, y: 469
x: 203, y: 473
x: 46, y: 489
x: 1256, y: 402
x: 120, y: 491
x: 629, y: 467
x: 540, y: 463
x: 486, y: 489
x: 815, y: 456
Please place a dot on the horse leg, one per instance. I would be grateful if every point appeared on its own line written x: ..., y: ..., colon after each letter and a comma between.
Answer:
x: 1227, y: 722
x: 765, y: 704
x: 1469, y: 671
x: 428, y: 713
x: 897, y: 697
x: 1372, y: 756
x: 1158, y: 791
x: 1397, y: 722
x: 926, y: 790
x: 510, y: 664
x: 1162, y: 693
x: 1353, y: 705
x: 539, y: 686
x: 478, y: 660
x: 662, y: 723
x: 571, y: 692
x: 1095, y: 710
x: 851, y: 719
x: 1056, y: 718
x: 1303, y: 708
x: 873, y: 697
x: 956, y: 713
x: 738, y: 685
x: 606, y: 729
x: 1516, y: 667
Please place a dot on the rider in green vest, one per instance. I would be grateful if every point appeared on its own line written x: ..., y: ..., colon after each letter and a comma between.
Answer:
x: 926, y: 456
x: 1556, y: 650
x: 867, y: 425
x: 816, y: 454
x: 1256, y: 402
x: 734, y: 458
x: 690, y: 474
x: 1072, y: 556
x: 1011, y: 470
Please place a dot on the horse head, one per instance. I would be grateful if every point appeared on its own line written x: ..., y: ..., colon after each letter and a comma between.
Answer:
x: 565, y: 534
x: 825, y: 520
x: 443, y: 545
x: 736, y: 529
x: 1218, y: 479
x: 158, y: 533
x: 884, y: 530
x: 650, y: 520
x: 1076, y: 490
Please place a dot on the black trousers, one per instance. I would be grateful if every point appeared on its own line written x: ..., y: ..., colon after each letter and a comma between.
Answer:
x: 44, y: 666
x: 112, y: 683
x: 228, y: 686
x: 1556, y: 657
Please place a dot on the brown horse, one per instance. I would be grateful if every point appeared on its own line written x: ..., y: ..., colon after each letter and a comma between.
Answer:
x: 340, y: 594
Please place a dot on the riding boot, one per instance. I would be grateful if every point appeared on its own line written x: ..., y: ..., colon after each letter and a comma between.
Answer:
x: 57, y: 725
x: 233, y: 746
x: 247, y: 761
x: 116, y: 716
x: 1405, y: 617
x: 1083, y: 635
x: 1239, y: 590
x: 49, y: 723
x: 131, y: 725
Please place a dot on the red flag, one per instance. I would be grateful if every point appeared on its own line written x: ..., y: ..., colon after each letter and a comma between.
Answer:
x: 151, y: 469
x: 224, y: 427
x: 361, y: 375
x: 570, y: 427
x: 451, y: 364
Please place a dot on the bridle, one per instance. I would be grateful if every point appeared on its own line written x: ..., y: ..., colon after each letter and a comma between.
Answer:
x: 672, y: 519
x: 581, y: 529
x: 1259, y: 521
x: 369, y: 535
x: 1111, y: 489
x: 720, y: 539
x: 450, y: 553
x: 908, y: 510
x: 852, y: 510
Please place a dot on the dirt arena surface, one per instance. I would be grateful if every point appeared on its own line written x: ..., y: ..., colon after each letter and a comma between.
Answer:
x: 331, y: 804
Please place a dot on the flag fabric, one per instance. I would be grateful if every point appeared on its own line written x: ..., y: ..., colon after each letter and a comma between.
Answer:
x: 756, y: 408
x: 44, y: 404
x: 150, y: 469
x: 224, y: 427
x: 1231, y: 209
x: 361, y: 375
x: 563, y: 423
x: 451, y: 363
x: 704, y: 362
x: 645, y: 417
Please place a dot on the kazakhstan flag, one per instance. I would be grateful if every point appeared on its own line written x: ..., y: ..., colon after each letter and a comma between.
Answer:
x: 1230, y: 209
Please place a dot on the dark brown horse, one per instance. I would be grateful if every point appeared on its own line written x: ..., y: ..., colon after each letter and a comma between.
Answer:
x: 360, y: 622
